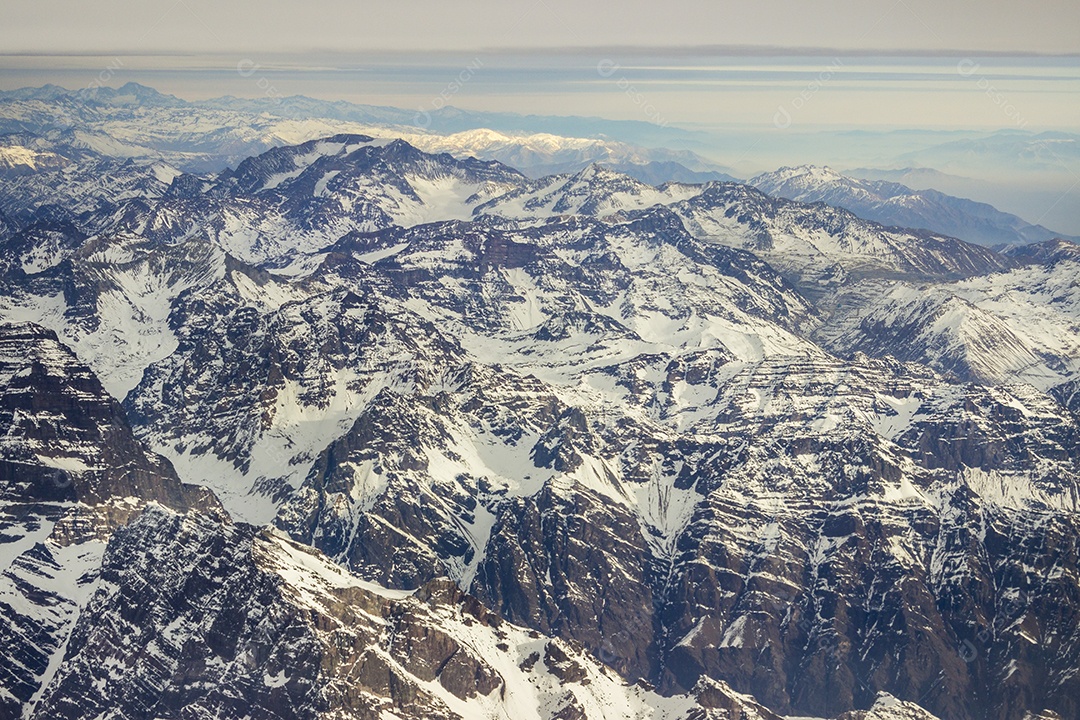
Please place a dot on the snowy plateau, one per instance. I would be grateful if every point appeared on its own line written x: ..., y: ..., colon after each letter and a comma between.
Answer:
x: 321, y: 420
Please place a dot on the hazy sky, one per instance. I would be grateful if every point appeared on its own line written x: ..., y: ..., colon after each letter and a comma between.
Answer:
x: 118, y: 26
x: 678, y: 61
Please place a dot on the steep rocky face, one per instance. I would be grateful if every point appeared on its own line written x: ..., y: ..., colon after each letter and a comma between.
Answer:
x: 289, y: 367
x: 570, y: 563
x: 71, y: 472
x: 192, y: 615
x: 692, y: 557
x: 771, y: 604
x: 64, y: 437
x: 758, y: 550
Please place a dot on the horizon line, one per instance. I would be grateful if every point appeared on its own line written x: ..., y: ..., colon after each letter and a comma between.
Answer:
x: 565, y: 50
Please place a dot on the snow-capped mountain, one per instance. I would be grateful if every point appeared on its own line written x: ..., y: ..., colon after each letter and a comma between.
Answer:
x: 542, y: 154
x: 595, y: 190
x: 297, y: 200
x: 821, y: 246
x: 818, y: 247
x: 85, y: 185
x: 570, y: 447
x: 891, y: 203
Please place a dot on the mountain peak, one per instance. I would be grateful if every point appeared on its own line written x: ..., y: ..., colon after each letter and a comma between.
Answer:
x: 815, y: 173
x: 596, y: 171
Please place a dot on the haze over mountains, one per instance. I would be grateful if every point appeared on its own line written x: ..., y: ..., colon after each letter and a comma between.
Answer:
x: 138, y: 122
x: 302, y: 419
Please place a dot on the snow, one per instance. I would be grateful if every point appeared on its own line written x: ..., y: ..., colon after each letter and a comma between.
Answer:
x: 903, y: 410
x: 69, y: 464
x: 1017, y: 490
x: 269, y: 295
x: 53, y: 594
x: 904, y: 492
x: 507, y: 464
x: 236, y: 494
x: 277, y: 680
x: 733, y: 634
x: 14, y: 155
x: 376, y: 255
x: 688, y: 639
x: 443, y: 198
x: 310, y: 573
x: 533, y: 695
x: 664, y: 510
x: 133, y: 311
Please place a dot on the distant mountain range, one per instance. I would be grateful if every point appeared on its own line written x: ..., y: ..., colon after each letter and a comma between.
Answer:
x: 891, y: 203
x: 231, y: 129
x: 46, y: 125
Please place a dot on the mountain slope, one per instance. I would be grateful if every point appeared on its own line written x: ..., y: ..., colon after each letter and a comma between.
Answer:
x: 296, y: 200
x: 1018, y: 325
x: 71, y: 471
x: 822, y: 247
x: 285, y: 634
x: 135, y: 121
x: 816, y: 246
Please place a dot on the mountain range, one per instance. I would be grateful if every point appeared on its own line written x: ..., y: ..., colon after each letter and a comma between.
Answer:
x: 139, y: 122
x: 350, y: 429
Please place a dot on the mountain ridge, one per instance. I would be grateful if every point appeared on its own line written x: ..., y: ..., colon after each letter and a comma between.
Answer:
x: 892, y: 203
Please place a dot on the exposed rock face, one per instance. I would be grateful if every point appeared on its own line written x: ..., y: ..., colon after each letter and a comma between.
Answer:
x: 64, y: 437
x: 71, y: 471
x: 202, y: 618
x: 568, y: 563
